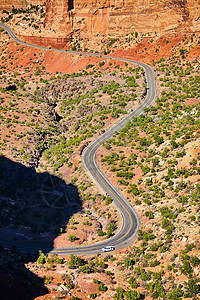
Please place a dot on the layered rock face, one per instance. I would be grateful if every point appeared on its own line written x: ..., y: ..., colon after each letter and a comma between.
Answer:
x: 115, y: 18
x: 58, y: 17
x: 8, y: 4
x: 45, y: 41
x: 119, y: 17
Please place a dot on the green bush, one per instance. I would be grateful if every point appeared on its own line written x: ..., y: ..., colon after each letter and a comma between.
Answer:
x: 96, y: 281
x: 108, y: 200
x: 93, y: 295
x: 72, y: 237
x: 41, y: 258
x: 110, y: 229
x: 102, y: 287
x: 146, y: 236
x: 119, y: 293
x: 100, y: 232
x: 149, y: 214
x: 134, y: 284
x: 186, y: 268
x: 154, y: 263
x: 129, y: 263
x: 176, y: 294
x: 195, y: 261
x: 191, y: 288
x: 75, y: 262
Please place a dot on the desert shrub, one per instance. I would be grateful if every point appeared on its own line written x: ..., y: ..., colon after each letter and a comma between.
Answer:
x: 108, y: 200
x: 154, y: 263
x: 145, y: 235
x: 134, y: 284
x: 154, y: 247
x: 93, y: 295
x: 132, y: 295
x: 149, y: 214
x: 186, y: 268
x: 75, y: 261
x: 86, y: 269
x: 96, y: 281
x: 100, y: 232
x: 110, y: 229
x: 195, y: 261
x: 102, y: 287
x: 41, y: 258
x: 72, y: 237
x: 119, y: 293
x: 129, y: 263
x: 191, y: 288
x: 176, y: 294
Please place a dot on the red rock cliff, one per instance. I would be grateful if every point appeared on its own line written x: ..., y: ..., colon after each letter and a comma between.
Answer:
x: 8, y: 4
x: 117, y: 17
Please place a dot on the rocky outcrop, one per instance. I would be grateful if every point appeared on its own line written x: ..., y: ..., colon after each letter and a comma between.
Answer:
x: 114, y: 18
x: 58, y: 16
x: 8, y: 4
x: 119, y: 17
x: 45, y: 41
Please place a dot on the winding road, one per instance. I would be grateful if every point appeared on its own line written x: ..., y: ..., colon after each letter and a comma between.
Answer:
x: 130, y: 219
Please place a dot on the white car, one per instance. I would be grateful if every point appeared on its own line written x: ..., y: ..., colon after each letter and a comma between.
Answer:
x: 108, y: 248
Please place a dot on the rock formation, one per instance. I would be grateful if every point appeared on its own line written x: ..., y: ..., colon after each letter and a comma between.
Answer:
x: 119, y: 17
x: 115, y: 18
x: 8, y: 4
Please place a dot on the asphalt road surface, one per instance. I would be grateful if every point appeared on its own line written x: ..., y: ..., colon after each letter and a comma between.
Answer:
x: 130, y: 219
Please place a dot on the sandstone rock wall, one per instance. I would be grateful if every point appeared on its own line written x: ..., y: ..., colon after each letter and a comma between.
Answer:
x: 119, y: 17
x: 78, y: 4
x: 8, y: 4
x: 45, y: 41
x: 114, y: 18
x: 58, y: 16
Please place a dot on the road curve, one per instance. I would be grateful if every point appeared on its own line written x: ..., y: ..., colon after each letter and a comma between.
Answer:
x: 130, y: 218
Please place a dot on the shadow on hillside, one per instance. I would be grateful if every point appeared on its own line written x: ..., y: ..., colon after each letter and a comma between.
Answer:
x: 34, y: 210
